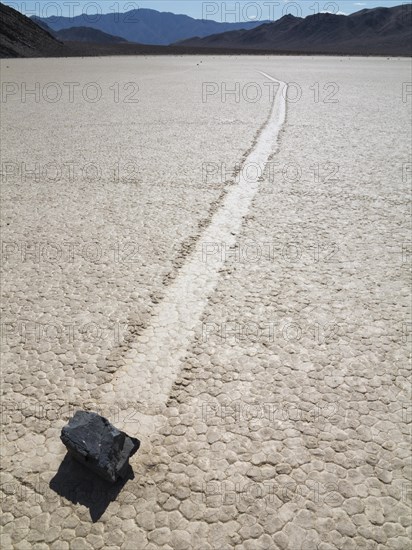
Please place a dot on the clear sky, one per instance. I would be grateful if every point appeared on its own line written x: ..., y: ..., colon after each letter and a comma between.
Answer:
x: 237, y: 10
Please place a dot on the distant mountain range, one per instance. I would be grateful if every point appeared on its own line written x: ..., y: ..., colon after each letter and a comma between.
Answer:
x: 81, y: 34
x: 147, y: 26
x: 86, y: 34
x: 386, y: 31
x: 379, y: 31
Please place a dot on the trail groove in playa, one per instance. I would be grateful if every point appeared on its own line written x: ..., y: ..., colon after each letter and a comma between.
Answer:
x: 154, y: 359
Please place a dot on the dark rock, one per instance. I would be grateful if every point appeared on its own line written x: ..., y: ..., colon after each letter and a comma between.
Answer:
x: 93, y: 441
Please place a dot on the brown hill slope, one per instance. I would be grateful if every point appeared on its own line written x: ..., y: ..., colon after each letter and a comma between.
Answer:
x: 21, y: 37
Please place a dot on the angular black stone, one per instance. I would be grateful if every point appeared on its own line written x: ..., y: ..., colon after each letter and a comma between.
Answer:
x: 93, y: 441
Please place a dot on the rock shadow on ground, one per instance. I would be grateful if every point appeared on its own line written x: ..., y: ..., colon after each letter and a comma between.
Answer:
x: 79, y: 485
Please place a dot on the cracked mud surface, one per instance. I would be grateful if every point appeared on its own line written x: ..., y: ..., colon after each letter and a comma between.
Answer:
x: 288, y: 426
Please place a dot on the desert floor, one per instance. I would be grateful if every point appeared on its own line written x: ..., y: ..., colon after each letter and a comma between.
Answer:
x: 219, y: 264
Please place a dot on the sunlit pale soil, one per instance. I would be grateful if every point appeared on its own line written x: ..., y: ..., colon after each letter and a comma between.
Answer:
x: 260, y: 352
